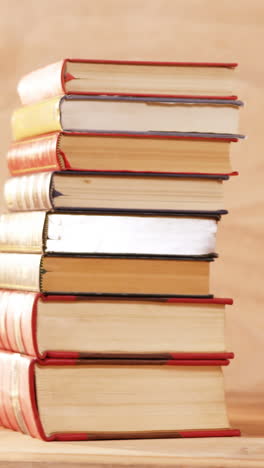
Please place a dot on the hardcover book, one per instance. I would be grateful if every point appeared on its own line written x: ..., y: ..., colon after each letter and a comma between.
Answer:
x: 93, y: 233
x: 88, y: 326
x: 85, y: 113
x: 106, y: 274
x: 138, y: 152
x: 115, y: 191
x: 69, y: 399
x: 128, y: 77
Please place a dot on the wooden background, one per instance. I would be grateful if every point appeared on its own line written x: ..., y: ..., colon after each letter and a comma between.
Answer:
x: 36, y: 33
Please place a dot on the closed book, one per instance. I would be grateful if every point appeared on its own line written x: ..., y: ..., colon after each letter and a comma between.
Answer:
x: 139, y: 152
x: 84, y: 113
x: 128, y: 77
x: 123, y: 327
x: 97, y: 233
x: 70, y: 399
x: 106, y: 274
x: 115, y: 191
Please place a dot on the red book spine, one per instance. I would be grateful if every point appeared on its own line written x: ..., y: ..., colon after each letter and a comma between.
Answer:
x: 36, y: 155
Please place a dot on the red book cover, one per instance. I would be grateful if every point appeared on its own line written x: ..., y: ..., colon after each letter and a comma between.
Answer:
x: 19, y: 409
x: 19, y: 317
x: 50, y: 80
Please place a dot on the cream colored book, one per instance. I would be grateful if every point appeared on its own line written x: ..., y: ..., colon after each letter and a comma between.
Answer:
x: 113, y: 326
x: 116, y: 192
x: 70, y: 399
x: 77, y: 113
x: 88, y: 233
x: 128, y: 77
x: 106, y: 274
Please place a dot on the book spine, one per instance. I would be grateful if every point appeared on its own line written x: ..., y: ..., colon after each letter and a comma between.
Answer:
x: 36, y: 119
x: 36, y: 155
x: 22, y: 232
x: 29, y: 193
x: 20, y: 271
x: 43, y: 83
x: 18, y: 321
x: 18, y: 410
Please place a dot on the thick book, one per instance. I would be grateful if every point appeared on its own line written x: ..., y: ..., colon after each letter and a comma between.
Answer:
x: 88, y: 326
x: 139, y: 152
x: 115, y: 191
x: 106, y: 274
x: 128, y: 77
x: 97, y: 233
x: 70, y: 399
x: 83, y: 113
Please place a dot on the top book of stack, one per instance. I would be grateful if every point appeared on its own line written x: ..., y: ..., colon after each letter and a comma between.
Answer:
x: 133, y: 78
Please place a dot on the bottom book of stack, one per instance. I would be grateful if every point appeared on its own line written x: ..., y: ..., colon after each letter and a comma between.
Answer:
x: 69, y: 399
x: 86, y: 367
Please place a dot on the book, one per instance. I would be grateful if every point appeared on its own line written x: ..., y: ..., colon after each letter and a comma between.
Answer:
x: 115, y: 191
x: 83, y: 113
x: 106, y: 274
x: 189, y: 153
x: 127, y: 77
x: 125, y: 327
x: 70, y: 399
x: 38, y: 231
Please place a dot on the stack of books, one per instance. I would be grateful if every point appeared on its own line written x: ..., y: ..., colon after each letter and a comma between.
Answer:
x: 108, y: 328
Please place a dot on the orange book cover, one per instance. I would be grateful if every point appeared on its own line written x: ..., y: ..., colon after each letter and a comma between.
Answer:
x: 44, y: 154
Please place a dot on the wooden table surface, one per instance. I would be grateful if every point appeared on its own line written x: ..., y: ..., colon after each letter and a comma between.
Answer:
x: 19, y: 451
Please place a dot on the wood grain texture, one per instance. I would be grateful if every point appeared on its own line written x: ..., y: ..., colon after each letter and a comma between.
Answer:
x: 34, y: 34
x: 20, y: 451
